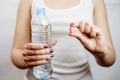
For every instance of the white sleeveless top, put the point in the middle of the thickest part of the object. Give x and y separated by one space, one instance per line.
70 61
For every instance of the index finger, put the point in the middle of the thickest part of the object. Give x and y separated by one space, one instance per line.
35 46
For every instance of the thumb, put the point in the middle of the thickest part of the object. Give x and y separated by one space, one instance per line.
79 35
53 43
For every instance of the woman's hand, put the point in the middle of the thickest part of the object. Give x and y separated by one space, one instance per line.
35 54
90 36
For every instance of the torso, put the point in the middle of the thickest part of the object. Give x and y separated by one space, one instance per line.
70 56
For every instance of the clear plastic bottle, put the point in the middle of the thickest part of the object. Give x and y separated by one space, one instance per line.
41 33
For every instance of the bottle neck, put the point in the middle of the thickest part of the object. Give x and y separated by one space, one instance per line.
40 11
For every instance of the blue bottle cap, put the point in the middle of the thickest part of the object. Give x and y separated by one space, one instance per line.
40 11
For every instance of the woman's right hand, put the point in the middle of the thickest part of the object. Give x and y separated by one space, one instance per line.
35 54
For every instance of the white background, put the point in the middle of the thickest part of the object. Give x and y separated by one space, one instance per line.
8 11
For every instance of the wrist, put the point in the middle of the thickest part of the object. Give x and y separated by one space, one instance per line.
102 53
105 58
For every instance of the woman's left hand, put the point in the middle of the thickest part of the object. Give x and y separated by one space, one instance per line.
90 36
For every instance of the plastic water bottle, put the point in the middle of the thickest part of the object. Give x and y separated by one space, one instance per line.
41 33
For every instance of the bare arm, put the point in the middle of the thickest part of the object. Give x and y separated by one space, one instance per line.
96 37
100 20
24 53
22 32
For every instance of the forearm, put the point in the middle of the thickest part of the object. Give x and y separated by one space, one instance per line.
106 58
17 59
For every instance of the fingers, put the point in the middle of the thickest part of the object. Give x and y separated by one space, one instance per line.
35 46
36 58
36 52
93 32
54 42
86 28
83 26
35 63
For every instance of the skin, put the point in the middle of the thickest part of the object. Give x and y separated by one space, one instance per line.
94 37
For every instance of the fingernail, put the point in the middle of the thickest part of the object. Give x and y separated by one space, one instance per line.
52 55
47 59
45 46
51 50
71 24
